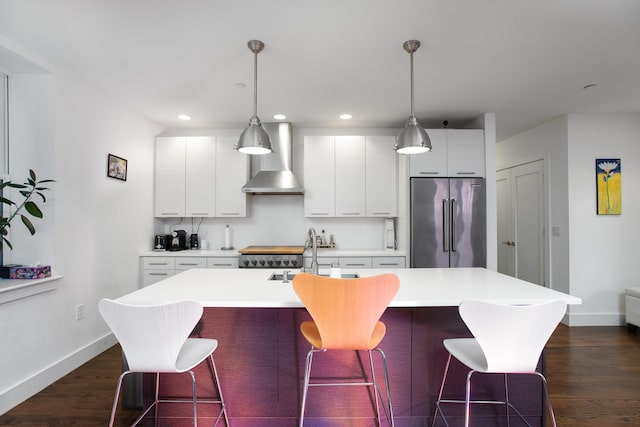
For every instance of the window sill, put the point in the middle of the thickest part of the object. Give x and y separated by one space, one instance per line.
15 289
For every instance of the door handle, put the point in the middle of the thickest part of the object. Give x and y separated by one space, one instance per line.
445 223
509 243
453 225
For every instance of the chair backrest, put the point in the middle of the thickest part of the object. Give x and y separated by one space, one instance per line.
512 337
151 336
346 311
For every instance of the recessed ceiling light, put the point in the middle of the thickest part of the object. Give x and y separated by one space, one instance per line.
346 116
184 117
279 116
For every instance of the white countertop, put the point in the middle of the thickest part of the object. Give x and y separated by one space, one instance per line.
321 253
419 287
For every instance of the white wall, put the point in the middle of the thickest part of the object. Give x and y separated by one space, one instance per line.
93 230
593 258
547 142
604 248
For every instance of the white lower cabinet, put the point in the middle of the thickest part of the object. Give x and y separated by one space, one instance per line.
222 262
358 262
154 269
388 262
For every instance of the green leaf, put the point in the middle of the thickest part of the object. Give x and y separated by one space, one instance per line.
32 174
7 242
6 201
46 180
14 185
44 200
33 209
28 224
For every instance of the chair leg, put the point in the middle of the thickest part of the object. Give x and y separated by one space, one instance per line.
388 387
305 387
216 381
548 397
438 409
467 402
506 398
376 389
115 399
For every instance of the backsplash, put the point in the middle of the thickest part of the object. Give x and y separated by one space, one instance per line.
278 220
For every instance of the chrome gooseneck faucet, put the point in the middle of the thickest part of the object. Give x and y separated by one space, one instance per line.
314 251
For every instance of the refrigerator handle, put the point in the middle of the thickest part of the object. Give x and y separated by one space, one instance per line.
445 222
453 225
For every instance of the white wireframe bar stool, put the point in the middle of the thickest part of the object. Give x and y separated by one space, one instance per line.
507 339
155 339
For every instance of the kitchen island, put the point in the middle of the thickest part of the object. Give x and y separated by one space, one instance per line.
261 353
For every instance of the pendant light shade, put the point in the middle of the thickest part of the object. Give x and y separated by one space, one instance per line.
254 139
413 139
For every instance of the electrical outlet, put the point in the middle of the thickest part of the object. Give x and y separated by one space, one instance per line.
80 311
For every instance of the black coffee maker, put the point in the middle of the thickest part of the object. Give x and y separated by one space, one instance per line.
178 240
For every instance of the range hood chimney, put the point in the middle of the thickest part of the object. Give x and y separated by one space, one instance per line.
274 175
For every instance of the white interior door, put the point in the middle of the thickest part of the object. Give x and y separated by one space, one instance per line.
506 258
521 236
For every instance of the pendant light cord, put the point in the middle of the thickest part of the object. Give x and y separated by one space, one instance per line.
255 84
411 62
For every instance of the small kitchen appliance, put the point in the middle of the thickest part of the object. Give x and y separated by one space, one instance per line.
161 242
389 234
271 257
178 240
193 241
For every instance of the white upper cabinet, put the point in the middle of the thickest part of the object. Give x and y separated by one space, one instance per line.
232 172
455 153
350 170
350 176
199 177
382 177
170 177
319 176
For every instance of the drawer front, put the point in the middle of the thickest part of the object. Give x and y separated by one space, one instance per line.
388 262
355 262
323 262
222 262
185 263
153 276
158 263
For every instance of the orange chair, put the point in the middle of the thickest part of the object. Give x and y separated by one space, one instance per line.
346 316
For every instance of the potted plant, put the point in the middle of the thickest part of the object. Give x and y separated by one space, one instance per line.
33 187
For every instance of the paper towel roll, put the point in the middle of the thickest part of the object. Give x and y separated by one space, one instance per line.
227 237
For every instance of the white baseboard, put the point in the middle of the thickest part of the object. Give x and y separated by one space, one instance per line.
47 376
594 319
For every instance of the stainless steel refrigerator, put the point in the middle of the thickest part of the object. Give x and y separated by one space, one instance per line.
448 222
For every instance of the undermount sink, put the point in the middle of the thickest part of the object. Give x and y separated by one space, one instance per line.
280 276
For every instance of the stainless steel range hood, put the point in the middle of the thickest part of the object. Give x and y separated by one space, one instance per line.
271 173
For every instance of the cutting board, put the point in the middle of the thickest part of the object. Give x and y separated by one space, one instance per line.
275 250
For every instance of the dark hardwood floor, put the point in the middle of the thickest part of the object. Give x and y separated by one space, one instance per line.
593 374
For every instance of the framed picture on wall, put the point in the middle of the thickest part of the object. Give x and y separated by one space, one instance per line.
116 167
609 186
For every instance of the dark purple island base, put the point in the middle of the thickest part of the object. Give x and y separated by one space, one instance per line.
261 356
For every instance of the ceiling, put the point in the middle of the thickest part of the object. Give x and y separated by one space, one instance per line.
525 61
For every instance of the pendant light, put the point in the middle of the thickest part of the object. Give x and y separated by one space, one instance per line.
413 139
254 139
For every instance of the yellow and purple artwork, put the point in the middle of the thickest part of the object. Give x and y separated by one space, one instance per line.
609 186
